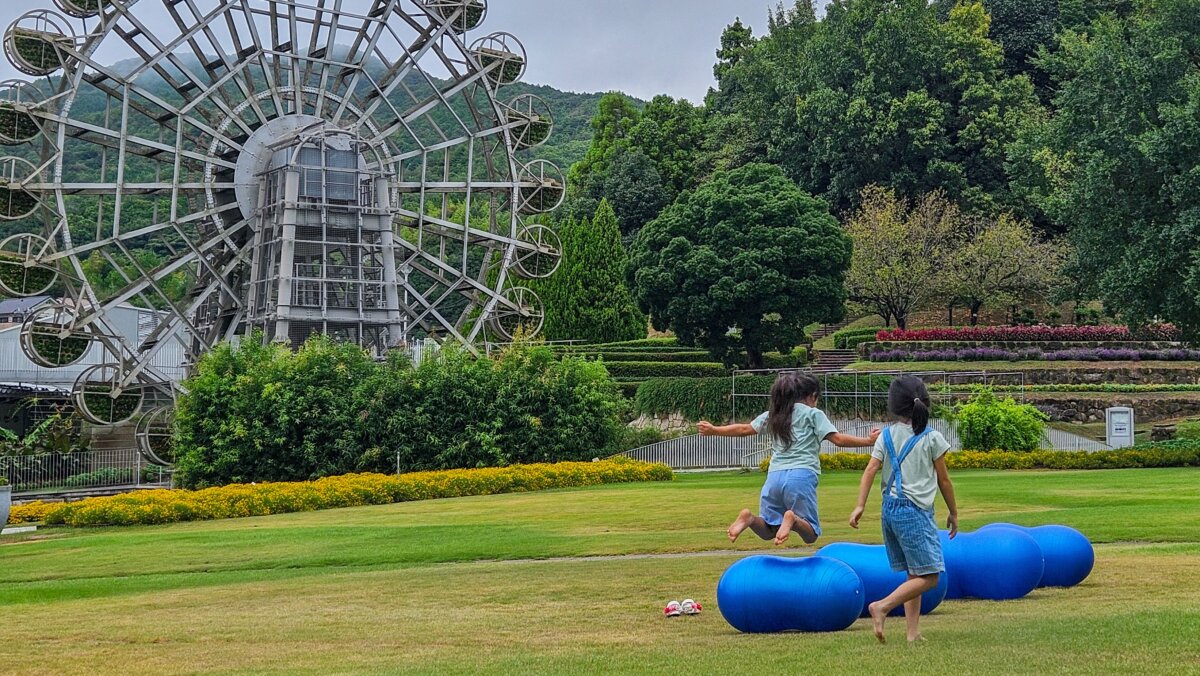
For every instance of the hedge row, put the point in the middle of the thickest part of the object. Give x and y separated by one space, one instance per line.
1134 458
695 356
351 490
711 398
848 339
628 370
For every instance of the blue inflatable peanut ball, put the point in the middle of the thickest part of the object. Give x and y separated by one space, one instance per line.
1068 553
765 594
878 578
996 564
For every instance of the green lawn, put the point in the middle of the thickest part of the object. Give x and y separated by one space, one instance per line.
449 586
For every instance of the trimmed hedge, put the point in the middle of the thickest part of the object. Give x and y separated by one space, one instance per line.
681 357
797 358
629 370
711 398
351 490
848 339
1134 458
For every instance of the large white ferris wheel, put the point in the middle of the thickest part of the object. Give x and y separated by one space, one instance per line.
348 167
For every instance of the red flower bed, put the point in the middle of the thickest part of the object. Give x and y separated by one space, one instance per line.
1159 332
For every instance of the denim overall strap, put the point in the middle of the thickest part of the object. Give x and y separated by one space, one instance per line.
895 484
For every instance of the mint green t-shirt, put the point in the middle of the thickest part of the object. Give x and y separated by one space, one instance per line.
810 426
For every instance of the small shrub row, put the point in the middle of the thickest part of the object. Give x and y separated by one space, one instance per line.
608 356
1134 458
1013 345
797 358
1163 332
848 339
651 369
351 490
1033 354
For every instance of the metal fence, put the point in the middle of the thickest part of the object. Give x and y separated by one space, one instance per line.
714 453
30 475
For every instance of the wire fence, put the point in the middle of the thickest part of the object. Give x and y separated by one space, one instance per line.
713 453
30 475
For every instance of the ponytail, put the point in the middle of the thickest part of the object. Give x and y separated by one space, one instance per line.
920 416
908 398
788 390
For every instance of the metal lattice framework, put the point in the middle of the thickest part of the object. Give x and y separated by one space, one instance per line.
348 167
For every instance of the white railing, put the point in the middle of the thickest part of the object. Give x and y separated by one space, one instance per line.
57 472
712 453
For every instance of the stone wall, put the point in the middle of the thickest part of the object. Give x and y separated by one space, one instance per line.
673 423
1146 408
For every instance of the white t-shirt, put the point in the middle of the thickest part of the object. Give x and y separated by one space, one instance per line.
810 426
917 475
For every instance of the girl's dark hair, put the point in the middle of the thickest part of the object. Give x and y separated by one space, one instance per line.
789 388
908 398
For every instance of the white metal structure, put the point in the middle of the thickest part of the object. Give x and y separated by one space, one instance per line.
349 167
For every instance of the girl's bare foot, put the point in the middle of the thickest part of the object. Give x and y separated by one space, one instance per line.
785 527
878 616
790 523
913 640
741 523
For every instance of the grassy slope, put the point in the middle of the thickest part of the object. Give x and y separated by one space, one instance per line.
391 588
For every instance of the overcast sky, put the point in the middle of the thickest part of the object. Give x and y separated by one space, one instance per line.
642 47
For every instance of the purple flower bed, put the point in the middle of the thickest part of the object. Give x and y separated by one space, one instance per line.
1034 354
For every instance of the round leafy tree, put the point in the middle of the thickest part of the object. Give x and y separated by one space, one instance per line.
744 262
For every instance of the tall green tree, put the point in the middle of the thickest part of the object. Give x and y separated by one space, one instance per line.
671 133
743 263
890 95
587 298
1118 162
632 186
615 118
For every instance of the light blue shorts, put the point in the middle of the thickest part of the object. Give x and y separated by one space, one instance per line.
794 489
911 538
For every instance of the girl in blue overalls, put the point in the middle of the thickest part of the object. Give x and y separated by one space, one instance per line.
914 470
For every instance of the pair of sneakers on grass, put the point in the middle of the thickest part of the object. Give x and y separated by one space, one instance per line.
675 608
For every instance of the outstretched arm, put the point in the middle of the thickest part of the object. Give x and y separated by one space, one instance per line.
864 489
708 429
850 441
947 489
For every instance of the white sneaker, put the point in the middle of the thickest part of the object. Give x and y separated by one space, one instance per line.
689 607
673 609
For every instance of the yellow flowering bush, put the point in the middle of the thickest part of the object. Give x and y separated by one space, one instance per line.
31 513
351 490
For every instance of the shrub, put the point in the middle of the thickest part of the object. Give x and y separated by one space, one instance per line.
848 339
262 413
352 490
610 356
1188 430
1159 332
987 423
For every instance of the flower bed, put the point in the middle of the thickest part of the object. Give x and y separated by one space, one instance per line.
1160 332
351 490
1032 354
